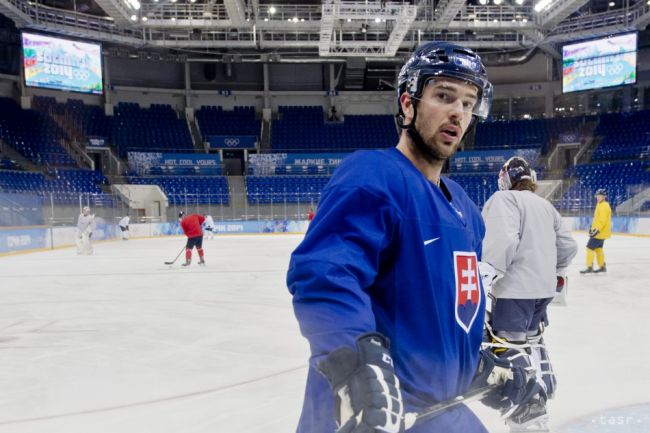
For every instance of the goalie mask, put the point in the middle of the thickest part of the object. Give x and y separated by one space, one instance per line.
515 170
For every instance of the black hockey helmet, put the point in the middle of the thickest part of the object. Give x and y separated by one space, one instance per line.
181 214
443 59
601 191
514 170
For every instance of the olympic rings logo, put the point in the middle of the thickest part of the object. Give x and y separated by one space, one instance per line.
615 68
230 142
81 74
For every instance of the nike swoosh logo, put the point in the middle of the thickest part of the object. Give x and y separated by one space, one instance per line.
429 241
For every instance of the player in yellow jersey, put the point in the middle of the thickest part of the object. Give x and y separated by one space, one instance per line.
601 229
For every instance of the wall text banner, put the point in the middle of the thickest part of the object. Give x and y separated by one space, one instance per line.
142 162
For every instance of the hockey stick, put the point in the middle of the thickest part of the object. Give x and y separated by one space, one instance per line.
174 261
412 418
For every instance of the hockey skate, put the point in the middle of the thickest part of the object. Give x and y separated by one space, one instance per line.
588 270
531 417
202 262
602 269
187 263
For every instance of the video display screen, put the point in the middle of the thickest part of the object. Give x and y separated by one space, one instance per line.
599 63
62 64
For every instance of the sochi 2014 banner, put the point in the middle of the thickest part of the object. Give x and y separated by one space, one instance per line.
142 162
62 64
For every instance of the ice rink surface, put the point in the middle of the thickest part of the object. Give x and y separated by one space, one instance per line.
119 342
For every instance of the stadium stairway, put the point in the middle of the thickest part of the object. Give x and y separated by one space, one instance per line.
196 135
237 192
12 153
72 146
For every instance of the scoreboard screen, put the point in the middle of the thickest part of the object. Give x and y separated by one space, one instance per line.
62 64
599 63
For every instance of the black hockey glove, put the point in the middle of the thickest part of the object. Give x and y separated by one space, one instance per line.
368 398
593 232
510 381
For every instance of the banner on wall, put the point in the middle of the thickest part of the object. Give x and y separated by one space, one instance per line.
143 162
265 163
231 227
490 158
232 141
23 239
97 141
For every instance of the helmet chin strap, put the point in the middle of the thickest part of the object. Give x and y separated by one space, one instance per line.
410 128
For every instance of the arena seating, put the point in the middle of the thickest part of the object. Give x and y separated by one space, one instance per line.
625 136
90 120
155 129
181 190
479 186
63 185
304 129
214 120
34 134
284 189
621 179
8 164
513 134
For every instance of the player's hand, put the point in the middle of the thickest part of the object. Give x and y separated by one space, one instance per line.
593 232
508 379
368 397
488 275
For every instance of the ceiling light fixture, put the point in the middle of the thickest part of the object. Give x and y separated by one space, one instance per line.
542 4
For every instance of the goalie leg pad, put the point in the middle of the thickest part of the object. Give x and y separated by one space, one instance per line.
542 363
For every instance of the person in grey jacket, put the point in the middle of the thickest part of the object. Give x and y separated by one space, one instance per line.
526 247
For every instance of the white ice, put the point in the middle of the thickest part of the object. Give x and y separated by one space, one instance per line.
119 342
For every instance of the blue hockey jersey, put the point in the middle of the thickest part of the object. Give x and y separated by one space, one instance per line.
388 252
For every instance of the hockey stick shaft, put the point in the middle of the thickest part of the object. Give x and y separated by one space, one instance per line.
174 261
412 418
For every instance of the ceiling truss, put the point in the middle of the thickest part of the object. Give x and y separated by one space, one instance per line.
336 29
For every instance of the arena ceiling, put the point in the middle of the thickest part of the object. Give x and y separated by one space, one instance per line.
334 29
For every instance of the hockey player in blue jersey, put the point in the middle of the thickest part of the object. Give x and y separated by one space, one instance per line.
385 284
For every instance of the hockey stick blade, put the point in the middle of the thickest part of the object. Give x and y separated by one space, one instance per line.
412 418
174 261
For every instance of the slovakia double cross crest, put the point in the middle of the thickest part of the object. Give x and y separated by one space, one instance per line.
468 288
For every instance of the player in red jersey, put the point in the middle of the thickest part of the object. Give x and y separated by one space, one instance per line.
191 225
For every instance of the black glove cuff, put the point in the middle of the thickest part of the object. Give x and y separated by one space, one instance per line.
341 363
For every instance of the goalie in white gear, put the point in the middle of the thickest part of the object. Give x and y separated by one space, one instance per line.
123 224
527 245
85 228
208 226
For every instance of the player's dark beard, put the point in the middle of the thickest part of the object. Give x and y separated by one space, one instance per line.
428 151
